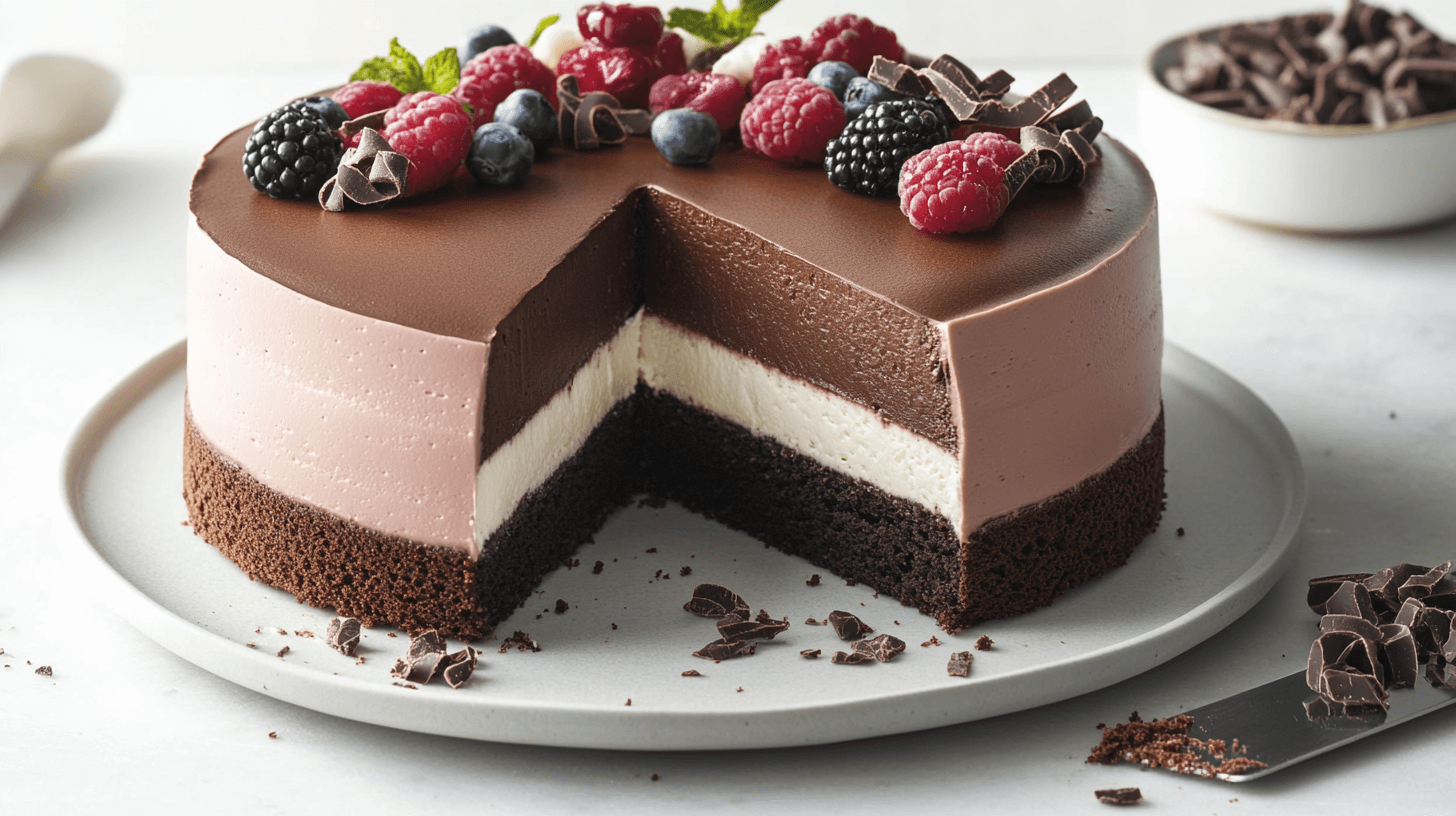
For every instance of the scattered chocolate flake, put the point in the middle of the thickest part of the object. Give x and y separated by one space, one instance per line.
1361 66
629 701
851 582
573 563
522 642
984 643
390 634
692 673
251 645
713 601
283 651
425 658
1119 796
883 648
740 689
343 635
733 627
655 777
45 671
650 550
272 735
1180 535
960 665
685 571
597 568
410 686
810 654
813 580
614 627
303 633
1164 743
847 626
561 606
851 658
457 667
369 174
726 649
812 622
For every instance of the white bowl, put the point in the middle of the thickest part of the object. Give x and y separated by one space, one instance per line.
1319 178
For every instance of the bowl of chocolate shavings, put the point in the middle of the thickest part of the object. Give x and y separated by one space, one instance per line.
1334 123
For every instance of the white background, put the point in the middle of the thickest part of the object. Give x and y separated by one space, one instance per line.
1351 341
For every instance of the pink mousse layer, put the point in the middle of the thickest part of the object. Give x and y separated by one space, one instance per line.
371 421
1053 388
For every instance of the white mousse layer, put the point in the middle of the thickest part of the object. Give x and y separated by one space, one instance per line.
830 430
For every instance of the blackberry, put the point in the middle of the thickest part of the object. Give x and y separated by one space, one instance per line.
291 153
867 156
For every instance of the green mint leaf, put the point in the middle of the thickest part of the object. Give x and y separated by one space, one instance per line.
399 69
718 25
442 72
546 22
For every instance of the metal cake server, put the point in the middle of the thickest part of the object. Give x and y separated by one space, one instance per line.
47 104
1270 720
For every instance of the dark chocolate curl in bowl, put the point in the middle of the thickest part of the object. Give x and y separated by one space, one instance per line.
586 122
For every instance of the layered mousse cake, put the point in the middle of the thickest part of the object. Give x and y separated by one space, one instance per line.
412 414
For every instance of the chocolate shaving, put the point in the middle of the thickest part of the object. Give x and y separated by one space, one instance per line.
734 627
343 635
425 657
851 658
369 174
713 601
883 648
960 664
457 668
847 626
727 649
586 122
1119 796
809 654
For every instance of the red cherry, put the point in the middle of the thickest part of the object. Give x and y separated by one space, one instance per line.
623 25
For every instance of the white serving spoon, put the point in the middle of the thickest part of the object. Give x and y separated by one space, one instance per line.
47 104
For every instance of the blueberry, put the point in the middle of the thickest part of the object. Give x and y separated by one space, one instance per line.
833 75
684 136
862 93
332 112
483 39
499 155
529 112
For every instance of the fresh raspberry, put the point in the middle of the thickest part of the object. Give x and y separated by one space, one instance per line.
620 71
855 40
791 120
718 95
623 25
786 59
669 57
958 186
366 96
489 78
434 133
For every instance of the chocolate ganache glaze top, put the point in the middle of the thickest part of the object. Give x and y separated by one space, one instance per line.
458 261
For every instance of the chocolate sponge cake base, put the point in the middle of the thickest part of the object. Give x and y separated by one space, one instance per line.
1013 564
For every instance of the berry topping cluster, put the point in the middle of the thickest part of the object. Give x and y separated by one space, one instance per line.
837 96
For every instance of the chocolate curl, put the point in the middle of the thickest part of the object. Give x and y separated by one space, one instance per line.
596 119
368 174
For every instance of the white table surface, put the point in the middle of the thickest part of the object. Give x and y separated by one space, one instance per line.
1351 341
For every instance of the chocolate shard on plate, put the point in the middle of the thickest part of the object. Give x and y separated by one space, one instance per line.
810 654
1420 586
1441 675
1385 585
851 658
734 627
1432 630
1325 652
1409 612
425 643
1119 796
726 649
847 626
458 667
343 635
1353 688
1352 624
960 664
883 648
713 601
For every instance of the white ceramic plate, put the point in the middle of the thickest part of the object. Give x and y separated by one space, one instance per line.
1235 485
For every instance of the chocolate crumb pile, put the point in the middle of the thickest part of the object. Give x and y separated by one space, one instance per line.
522 642
738 635
1164 743
1362 66
1377 630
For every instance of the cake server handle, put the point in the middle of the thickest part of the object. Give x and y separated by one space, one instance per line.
17 171
1271 722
